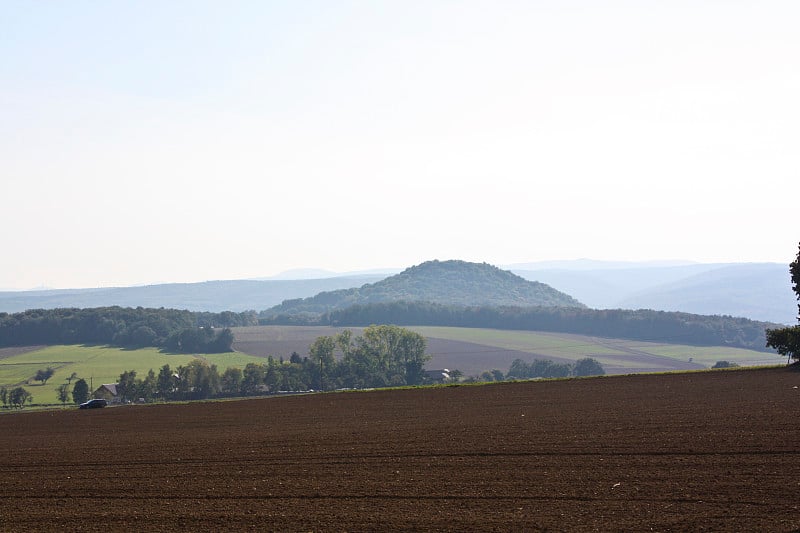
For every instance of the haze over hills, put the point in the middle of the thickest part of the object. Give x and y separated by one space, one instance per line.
443 282
216 296
759 291
756 290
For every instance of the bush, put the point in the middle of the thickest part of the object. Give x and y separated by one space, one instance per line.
588 367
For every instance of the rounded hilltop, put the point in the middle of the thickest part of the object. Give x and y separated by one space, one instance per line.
451 282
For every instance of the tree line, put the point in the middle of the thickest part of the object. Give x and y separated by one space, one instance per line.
171 329
382 356
542 368
642 324
16 397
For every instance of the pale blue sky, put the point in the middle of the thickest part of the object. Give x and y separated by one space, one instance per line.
146 142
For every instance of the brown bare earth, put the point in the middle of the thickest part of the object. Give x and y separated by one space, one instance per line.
17 350
714 451
473 358
281 341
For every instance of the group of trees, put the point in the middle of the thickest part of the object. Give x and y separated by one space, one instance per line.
787 340
382 356
544 368
16 397
176 330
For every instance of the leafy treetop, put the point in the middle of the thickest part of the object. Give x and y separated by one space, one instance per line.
787 340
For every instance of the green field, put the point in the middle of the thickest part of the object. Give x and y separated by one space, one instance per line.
97 365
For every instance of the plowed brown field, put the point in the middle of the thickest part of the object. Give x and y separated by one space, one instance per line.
703 451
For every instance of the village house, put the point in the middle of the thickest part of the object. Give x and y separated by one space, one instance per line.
107 391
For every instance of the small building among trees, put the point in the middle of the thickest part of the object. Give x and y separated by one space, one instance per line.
107 391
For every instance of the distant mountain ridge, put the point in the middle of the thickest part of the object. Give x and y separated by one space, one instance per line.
752 290
215 296
450 282
759 291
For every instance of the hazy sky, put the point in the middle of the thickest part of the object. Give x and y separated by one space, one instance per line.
156 141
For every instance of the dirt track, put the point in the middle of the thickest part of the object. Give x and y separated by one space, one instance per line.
705 451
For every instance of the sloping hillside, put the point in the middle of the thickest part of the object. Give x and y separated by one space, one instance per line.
443 282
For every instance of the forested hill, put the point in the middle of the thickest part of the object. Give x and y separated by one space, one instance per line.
443 282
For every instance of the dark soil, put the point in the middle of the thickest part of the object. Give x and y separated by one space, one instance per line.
714 451
281 341
5 353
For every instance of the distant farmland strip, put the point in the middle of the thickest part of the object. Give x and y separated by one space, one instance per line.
475 350
470 350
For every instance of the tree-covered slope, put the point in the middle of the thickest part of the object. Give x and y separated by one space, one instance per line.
442 282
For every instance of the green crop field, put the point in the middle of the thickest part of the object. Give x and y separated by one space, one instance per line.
97 365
